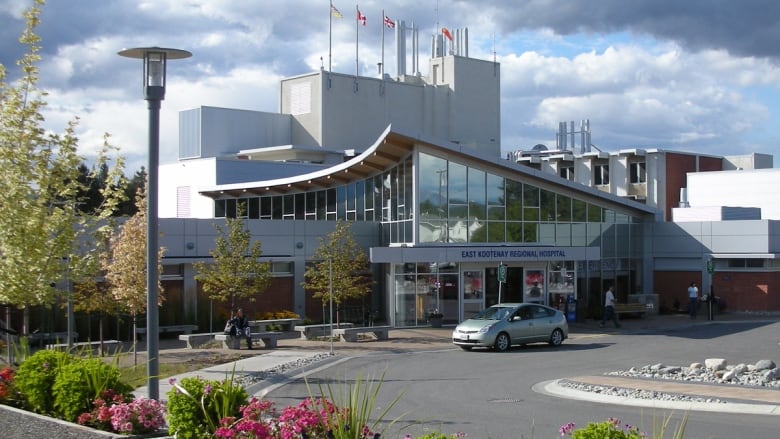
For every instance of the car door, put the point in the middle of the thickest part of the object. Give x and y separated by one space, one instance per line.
541 323
519 325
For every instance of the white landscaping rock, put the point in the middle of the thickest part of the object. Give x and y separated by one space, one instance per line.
715 363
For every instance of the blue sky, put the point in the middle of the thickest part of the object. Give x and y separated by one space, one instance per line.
699 75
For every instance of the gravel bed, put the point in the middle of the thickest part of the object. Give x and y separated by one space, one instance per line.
763 374
248 379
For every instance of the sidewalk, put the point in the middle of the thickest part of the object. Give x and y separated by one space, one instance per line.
270 368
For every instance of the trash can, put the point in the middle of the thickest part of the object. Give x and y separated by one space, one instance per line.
571 308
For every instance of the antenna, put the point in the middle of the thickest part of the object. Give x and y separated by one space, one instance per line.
437 16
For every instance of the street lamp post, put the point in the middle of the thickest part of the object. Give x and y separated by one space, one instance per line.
155 60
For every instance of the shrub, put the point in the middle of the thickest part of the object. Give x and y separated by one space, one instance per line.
9 395
612 429
35 378
79 383
283 314
197 406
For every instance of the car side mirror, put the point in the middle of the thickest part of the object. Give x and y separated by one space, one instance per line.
516 318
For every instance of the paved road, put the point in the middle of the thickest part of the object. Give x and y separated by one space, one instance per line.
490 395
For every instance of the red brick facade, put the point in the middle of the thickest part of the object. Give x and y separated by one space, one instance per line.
741 290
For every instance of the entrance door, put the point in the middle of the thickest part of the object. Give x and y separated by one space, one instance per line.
473 293
511 290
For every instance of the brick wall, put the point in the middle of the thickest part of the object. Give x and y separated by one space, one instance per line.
672 286
748 291
742 291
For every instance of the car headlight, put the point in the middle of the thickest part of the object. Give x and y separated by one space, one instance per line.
485 329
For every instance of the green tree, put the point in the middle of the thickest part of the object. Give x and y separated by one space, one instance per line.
236 271
44 238
341 267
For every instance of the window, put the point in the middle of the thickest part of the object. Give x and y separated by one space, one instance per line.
601 174
567 172
638 172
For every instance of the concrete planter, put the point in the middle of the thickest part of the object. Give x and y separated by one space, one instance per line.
21 424
436 321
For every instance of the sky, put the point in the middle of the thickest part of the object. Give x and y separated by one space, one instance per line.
694 75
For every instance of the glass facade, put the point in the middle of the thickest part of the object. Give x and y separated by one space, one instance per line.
458 204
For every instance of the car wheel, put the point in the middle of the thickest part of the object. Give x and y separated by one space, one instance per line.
466 348
556 338
502 342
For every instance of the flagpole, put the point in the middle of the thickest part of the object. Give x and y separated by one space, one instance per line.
382 65
330 38
357 39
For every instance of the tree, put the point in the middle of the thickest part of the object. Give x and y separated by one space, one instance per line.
44 238
236 271
125 263
341 267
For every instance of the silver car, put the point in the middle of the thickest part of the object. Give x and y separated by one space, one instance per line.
504 325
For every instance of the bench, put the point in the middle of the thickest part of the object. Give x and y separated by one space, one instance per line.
633 308
195 340
269 339
109 346
285 324
309 332
187 329
351 334
42 337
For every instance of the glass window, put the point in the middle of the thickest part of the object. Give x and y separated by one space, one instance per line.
288 209
277 207
547 206
530 196
601 175
230 208
567 172
311 205
322 203
531 214
242 207
254 208
360 196
219 208
495 197
266 210
563 208
495 230
594 214
637 171
514 200
476 194
300 206
530 232
514 232
341 202
579 211
456 184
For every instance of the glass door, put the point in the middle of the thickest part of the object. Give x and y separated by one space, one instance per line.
473 293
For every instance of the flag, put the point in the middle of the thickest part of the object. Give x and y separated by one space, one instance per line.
446 33
389 23
335 12
361 18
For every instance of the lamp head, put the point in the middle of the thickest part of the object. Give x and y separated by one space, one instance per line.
155 61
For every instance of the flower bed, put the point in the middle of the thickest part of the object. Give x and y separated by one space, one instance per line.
21 424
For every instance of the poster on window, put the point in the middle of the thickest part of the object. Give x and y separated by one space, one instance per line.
534 285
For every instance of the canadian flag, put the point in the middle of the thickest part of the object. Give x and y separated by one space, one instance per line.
361 18
446 33
389 23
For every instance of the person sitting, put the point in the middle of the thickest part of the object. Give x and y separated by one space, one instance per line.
241 323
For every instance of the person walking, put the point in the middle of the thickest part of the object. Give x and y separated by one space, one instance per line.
241 324
609 308
693 298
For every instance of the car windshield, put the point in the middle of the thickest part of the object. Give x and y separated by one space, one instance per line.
493 313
